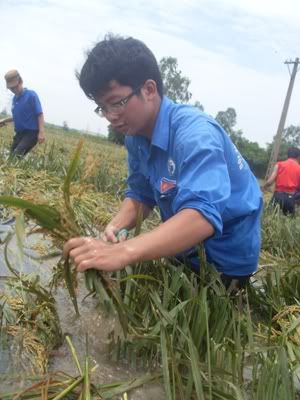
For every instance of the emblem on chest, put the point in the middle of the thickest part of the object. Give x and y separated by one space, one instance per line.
171 167
167 184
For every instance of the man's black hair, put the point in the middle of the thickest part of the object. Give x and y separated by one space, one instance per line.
125 60
293 152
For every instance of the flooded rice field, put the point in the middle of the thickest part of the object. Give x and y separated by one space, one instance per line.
93 322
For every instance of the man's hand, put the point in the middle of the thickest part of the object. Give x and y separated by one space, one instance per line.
114 235
110 234
88 252
41 137
264 187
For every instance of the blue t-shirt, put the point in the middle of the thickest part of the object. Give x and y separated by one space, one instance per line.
192 163
25 109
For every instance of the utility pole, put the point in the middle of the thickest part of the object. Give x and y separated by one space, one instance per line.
277 140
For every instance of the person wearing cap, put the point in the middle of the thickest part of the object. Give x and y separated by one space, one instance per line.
180 160
27 115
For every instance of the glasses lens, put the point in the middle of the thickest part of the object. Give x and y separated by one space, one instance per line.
99 111
116 108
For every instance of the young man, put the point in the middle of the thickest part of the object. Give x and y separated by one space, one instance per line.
27 115
286 176
180 160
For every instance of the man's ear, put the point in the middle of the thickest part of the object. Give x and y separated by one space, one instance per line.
150 89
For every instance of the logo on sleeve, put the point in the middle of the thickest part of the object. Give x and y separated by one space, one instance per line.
167 184
240 159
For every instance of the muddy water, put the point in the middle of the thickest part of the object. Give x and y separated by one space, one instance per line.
92 321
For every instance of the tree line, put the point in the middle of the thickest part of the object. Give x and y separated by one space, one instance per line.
176 87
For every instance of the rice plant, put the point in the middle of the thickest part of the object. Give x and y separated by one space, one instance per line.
60 222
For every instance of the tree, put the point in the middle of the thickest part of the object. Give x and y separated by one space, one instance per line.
256 156
227 119
175 85
65 126
115 136
290 138
199 105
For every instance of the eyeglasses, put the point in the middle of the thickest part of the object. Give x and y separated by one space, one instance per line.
117 107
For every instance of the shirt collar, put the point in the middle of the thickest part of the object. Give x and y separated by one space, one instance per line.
22 93
160 137
293 160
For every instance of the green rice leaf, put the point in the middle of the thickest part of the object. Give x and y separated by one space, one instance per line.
46 216
70 283
165 364
195 366
69 176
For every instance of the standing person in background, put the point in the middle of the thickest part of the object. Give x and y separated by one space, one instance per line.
286 176
27 115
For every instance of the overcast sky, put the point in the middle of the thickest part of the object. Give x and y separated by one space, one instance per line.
233 51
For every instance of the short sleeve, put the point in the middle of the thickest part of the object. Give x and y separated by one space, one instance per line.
36 104
203 180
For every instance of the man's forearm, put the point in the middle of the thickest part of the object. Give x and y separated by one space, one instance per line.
128 214
181 232
271 178
41 122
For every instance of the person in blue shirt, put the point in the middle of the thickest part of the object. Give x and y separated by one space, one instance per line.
180 160
27 115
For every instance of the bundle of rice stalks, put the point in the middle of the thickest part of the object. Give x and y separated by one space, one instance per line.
274 290
283 333
29 321
288 326
32 353
61 223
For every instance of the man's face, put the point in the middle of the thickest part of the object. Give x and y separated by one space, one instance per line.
127 109
17 89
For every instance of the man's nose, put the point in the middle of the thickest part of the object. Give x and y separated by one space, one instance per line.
111 116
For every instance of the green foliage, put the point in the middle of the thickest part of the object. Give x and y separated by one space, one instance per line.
199 105
175 85
256 156
115 136
65 126
227 119
290 138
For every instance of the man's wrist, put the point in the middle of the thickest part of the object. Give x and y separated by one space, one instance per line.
129 252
